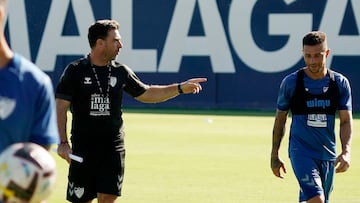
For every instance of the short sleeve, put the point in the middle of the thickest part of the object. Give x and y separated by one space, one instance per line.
345 93
286 91
65 87
44 131
133 84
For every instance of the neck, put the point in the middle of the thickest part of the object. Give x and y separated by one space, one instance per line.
98 60
5 52
316 76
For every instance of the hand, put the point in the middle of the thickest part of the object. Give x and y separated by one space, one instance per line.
342 162
64 150
192 85
276 165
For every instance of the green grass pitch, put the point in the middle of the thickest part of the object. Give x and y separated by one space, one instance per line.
209 157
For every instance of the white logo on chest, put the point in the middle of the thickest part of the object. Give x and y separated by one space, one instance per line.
7 106
99 105
113 81
87 81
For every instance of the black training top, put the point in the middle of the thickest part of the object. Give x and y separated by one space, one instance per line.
96 95
303 103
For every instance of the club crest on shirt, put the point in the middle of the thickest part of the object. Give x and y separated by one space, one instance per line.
325 89
7 106
113 81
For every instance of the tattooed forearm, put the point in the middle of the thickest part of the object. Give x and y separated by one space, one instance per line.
278 131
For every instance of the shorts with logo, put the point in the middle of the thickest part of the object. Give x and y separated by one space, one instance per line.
315 177
101 171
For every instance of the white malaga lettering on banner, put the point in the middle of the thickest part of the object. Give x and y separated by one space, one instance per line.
53 43
214 43
340 45
292 25
122 11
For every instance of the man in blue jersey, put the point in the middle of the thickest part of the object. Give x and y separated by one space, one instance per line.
314 94
27 103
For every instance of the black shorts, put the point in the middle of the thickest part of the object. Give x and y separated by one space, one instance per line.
102 171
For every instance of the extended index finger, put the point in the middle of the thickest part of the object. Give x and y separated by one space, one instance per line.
197 80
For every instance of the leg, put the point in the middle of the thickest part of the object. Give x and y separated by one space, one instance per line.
307 172
81 184
327 176
317 199
106 198
110 178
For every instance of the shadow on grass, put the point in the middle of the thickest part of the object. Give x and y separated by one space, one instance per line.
223 112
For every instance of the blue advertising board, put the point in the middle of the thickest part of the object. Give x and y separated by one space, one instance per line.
243 47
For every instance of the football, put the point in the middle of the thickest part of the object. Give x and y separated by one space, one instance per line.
27 173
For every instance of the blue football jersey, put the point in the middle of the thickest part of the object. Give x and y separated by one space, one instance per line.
313 134
27 105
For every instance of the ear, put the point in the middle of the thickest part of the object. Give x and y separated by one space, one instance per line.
99 42
327 53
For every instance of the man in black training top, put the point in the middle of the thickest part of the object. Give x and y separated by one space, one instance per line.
93 88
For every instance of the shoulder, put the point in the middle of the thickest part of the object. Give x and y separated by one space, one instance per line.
288 85
75 67
30 72
31 79
292 76
118 65
286 90
78 64
290 79
345 91
341 80
121 67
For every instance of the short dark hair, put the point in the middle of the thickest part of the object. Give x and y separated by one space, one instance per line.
100 29
314 38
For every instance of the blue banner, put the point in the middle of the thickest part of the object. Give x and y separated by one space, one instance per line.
244 47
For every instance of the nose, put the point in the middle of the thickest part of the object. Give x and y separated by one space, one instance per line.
120 45
312 60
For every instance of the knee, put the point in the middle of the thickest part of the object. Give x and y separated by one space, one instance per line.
106 198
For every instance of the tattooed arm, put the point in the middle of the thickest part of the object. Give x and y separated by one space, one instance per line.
278 134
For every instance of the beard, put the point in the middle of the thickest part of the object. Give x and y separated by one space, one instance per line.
316 68
111 57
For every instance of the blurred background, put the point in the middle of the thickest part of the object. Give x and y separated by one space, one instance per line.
243 47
